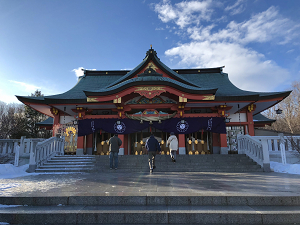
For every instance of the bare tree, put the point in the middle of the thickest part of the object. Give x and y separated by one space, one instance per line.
12 121
289 120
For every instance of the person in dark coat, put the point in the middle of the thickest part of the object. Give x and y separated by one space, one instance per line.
114 145
152 147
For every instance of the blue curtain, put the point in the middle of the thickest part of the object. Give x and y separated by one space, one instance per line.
176 125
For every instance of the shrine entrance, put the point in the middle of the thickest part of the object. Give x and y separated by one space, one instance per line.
199 143
138 141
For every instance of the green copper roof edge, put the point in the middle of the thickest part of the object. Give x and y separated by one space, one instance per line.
131 83
147 79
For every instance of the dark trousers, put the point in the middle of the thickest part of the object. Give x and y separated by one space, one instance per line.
151 159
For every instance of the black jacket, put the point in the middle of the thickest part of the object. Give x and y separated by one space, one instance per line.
114 144
152 144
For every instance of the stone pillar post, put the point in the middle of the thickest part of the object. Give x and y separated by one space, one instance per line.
32 162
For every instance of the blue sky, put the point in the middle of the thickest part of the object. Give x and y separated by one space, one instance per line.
43 44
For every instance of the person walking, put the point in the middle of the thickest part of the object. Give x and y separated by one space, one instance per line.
152 147
114 145
172 142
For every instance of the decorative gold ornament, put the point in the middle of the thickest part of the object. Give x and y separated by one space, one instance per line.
210 97
70 130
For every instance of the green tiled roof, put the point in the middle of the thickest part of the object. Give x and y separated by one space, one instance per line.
208 80
47 122
259 118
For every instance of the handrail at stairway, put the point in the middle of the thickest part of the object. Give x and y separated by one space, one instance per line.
40 152
255 149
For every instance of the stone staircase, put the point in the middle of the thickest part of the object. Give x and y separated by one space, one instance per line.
149 209
68 163
184 163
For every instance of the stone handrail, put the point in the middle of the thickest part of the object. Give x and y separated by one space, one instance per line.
7 146
41 151
274 142
21 147
257 150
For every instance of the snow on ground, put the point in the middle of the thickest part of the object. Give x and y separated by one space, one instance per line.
287 168
10 171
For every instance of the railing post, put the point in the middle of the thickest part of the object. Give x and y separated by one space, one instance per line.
32 162
266 158
240 146
22 145
17 153
282 149
62 145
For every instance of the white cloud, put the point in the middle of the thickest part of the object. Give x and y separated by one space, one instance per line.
30 88
262 27
245 67
184 13
237 7
212 46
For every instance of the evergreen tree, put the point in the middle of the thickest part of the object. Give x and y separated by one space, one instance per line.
34 117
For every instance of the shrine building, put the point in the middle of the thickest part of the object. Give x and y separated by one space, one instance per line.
201 106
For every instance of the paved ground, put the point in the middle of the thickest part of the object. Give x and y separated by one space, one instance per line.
118 183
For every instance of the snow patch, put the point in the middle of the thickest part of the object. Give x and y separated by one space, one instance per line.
287 168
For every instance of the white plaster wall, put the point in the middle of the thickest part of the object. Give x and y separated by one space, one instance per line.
235 117
66 119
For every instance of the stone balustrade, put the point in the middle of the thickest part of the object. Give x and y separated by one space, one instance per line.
257 150
41 151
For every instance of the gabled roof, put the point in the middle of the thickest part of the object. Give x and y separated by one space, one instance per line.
198 81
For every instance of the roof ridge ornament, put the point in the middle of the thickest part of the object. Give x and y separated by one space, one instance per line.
151 52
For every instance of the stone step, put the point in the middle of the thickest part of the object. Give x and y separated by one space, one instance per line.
155 200
70 163
95 214
59 170
65 166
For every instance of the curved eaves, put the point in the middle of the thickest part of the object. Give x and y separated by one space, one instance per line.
150 81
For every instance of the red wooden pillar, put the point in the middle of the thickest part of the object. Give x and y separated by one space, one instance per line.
126 144
121 150
55 122
250 123
223 144
89 144
181 144
80 145
216 143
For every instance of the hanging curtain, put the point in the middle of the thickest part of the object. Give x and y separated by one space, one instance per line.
176 125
